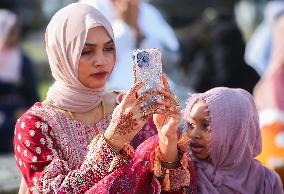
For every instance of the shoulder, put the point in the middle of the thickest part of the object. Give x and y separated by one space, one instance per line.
31 120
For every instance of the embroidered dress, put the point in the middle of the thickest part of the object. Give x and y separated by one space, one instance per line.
57 154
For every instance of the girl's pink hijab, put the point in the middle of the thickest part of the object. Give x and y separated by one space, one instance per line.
235 141
65 37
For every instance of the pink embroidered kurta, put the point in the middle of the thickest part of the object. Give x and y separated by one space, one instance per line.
57 154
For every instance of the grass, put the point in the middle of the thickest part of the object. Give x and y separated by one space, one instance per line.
43 88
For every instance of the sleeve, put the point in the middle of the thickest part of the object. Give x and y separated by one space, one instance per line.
138 176
175 179
147 131
45 170
178 179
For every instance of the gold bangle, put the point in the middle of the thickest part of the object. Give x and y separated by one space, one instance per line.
127 151
170 165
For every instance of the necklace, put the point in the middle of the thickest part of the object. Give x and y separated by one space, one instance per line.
89 135
102 104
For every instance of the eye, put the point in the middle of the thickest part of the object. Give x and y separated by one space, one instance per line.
109 49
87 52
206 127
190 125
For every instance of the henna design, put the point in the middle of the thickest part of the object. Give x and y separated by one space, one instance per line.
152 109
144 97
125 124
135 88
166 112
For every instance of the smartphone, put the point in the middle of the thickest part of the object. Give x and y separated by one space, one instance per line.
147 68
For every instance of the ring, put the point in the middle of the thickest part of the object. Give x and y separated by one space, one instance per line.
148 103
177 104
143 106
144 113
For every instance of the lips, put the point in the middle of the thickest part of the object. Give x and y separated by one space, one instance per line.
196 148
100 74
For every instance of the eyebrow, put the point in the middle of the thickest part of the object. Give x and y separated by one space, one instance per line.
203 119
106 43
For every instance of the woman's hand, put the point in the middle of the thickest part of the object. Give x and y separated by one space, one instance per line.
128 11
130 116
167 123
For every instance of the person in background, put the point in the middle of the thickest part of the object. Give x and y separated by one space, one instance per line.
81 138
18 83
258 48
225 138
215 50
137 24
268 95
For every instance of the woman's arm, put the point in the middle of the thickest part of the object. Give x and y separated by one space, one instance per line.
44 168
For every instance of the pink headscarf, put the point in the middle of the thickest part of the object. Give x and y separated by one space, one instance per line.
65 37
235 141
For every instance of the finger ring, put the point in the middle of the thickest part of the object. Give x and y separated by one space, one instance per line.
177 104
143 106
144 113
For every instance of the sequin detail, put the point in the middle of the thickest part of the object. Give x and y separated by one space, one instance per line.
58 152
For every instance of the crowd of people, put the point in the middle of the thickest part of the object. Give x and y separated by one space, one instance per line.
93 133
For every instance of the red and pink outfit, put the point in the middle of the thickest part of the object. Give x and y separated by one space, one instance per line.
56 155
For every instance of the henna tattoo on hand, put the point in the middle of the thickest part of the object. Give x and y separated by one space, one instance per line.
125 123
135 88
143 98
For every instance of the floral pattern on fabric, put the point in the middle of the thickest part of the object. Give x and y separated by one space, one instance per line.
137 177
51 150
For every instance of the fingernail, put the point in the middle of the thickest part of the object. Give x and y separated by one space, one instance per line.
159 101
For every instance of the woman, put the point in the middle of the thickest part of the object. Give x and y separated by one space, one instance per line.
18 84
269 100
71 143
224 140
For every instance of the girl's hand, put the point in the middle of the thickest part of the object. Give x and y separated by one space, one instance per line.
167 123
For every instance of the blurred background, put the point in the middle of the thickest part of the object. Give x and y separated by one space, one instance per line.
215 49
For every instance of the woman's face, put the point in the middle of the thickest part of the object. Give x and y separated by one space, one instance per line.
97 58
199 130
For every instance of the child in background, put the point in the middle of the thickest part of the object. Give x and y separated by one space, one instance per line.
224 140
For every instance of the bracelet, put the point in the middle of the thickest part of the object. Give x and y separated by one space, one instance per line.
127 151
171 165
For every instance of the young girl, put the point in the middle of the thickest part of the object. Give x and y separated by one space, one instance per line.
224 140
78 138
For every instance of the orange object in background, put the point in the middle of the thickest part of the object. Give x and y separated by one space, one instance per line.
272 154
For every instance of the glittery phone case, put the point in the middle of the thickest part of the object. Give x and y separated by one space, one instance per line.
147 68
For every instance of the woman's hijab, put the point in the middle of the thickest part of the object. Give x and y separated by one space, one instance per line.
65 37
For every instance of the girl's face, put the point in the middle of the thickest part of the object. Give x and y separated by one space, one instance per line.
97 58
199 130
